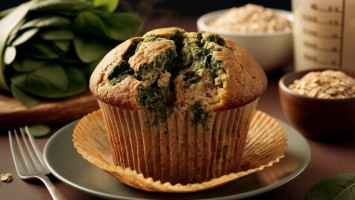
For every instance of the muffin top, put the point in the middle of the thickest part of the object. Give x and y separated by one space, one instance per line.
172 68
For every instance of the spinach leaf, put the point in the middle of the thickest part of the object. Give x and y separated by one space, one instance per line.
59 6
339 187
77 82
39 130
88 49
109 5
44 42
27 64
62 45
117 26
9 55
47 81
41 50
88 22
7 24
122 25
57 34
23 97
46 21
3 13
24 36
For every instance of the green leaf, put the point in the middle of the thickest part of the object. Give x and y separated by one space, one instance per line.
27 64
45 55
57 34
47 81
52 81
63 46
77 82
121 26
41 50
46 21
59 6
109 5
24 37
23 97
117 26
7 24
9 55
14 32
90 49
39 130
339 187
3 13
88 22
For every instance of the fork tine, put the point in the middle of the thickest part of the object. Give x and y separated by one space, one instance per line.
36 148
24 154
36 157
35 162
15 154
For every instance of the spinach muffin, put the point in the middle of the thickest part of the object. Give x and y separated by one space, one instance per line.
177 105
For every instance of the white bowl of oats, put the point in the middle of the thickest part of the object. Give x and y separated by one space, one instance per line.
266 33
320 103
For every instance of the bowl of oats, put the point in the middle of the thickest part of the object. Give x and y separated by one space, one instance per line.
266 33
320 103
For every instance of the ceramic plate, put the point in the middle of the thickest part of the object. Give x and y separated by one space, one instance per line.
68 166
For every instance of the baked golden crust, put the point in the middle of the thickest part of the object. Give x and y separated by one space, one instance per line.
125 93
172 53
246 80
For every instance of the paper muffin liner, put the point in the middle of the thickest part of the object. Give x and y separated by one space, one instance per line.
265 145
166 145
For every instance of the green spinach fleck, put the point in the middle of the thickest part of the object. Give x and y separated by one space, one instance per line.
213 66
200 116
131 50
120 72
190 78
213 38
153 98
190 54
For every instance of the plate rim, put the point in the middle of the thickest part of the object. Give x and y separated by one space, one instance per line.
70 126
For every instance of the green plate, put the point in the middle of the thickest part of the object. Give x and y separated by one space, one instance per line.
68 166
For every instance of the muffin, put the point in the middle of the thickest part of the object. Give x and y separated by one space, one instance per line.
177 105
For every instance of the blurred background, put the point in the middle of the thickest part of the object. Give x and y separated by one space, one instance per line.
176 7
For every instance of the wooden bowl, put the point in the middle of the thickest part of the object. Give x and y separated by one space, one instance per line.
314 117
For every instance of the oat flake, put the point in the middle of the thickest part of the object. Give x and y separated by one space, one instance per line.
252 18
6 177
328 84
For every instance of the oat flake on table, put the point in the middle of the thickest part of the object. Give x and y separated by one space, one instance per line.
6 177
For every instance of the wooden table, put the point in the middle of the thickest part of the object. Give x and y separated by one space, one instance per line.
327 159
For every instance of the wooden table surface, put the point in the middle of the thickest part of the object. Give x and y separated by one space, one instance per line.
327 158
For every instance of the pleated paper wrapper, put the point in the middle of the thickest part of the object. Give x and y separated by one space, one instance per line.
175 157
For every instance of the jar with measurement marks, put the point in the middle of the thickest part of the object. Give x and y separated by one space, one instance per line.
324 33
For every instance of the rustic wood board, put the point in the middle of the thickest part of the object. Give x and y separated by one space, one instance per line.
13 114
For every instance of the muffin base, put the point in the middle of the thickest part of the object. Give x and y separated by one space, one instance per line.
265 145
178 145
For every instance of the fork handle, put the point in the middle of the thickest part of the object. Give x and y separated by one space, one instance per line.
55 193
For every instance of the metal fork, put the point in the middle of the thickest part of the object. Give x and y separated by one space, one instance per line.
30 164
